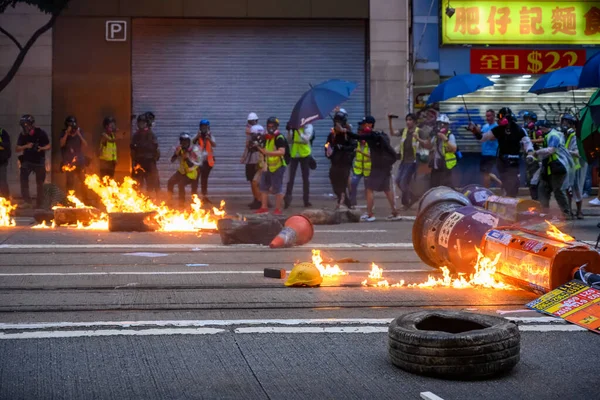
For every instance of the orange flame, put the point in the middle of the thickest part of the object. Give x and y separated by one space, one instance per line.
138 168
68 168
43 225
6 209
555 233
326 270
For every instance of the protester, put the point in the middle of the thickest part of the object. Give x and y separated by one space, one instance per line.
410 143
144 155
5 154
536 137
442 156
108 148
33 142
361 166
511 137
301 154
250 158
489 149
557 172
383 158
339 149
206 143
72 144
272 176
187 174
568 124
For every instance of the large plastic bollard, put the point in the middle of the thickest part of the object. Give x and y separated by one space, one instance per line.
476 194
442 194
298 230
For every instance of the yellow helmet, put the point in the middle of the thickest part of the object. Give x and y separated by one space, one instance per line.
304 274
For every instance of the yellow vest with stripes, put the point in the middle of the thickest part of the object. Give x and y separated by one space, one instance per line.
185 169
449 157
273 162
575 159
299 148
362 162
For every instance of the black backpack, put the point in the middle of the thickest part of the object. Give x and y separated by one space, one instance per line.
288 154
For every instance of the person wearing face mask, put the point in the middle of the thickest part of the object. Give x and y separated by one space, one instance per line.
511 138
145 154
410 143
568 124
271 180
339 149
72 144
190 159
108 148
558 168
206 143
442 157
362 164
250 158
33 142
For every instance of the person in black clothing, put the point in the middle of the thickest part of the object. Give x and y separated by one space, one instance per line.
33 142
5 153
511 138
144 155
339 148
73 159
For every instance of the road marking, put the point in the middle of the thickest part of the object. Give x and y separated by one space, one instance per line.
430 396
352 271
551 328
108 332
197 247
313 329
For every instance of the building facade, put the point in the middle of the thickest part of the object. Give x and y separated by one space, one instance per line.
187 60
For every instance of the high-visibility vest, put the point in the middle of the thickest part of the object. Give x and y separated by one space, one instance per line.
554 156
362 161
415 142
108 150
449 157
209 152
273 162
185 169
299 148
575 159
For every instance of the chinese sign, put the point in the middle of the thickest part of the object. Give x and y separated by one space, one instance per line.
574 302
517 22
490 61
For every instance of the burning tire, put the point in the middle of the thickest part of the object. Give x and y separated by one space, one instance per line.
454 345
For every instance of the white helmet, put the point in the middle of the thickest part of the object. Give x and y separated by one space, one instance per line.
252 117
443 118
257 129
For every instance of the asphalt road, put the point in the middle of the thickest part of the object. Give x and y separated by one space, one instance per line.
98 315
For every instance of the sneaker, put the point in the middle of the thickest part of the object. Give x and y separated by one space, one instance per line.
394 217
364 217
277 212
262 211
370 218
595 202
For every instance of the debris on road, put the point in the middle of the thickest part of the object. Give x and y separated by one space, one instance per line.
304 274
298 230
248 231
275 273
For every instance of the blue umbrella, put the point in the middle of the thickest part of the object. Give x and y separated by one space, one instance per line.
320 100
590 74
459 85
561 80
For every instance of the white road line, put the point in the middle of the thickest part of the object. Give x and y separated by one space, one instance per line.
529 320
108 332
365 271
551 328
430 396
196 247
314 329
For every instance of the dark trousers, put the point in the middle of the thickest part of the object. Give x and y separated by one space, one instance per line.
4 190
509 175
441 177
553 184
147 177
107 168
182 181
338 176
204 172
40 177
406 174
305 178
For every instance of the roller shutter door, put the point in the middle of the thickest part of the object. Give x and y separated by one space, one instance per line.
185 70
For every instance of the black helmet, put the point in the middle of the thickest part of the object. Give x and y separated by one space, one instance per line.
150 117
27 119
533 116
569 118
543 124
108 120
71 121
142 118
505 112
340 117
273 120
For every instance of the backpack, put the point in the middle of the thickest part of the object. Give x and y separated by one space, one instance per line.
288 154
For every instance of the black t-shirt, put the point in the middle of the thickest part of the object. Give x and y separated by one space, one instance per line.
280 142
144 146
5 151
72 148
509 144
39 139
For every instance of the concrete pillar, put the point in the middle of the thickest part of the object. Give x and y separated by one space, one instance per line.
389 41
30 92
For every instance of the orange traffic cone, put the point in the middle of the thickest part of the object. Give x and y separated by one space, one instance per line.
298 230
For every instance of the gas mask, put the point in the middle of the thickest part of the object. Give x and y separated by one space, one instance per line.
204 130
185 144
530 125
271 129
142 125
27 128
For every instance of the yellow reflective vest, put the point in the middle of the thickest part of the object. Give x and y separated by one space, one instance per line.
415 142
273 162
299 148
572 136
362 161
449 157
108 150
185 169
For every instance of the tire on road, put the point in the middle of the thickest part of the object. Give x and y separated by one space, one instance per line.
454 345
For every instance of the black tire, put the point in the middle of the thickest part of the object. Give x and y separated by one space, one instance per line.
454 345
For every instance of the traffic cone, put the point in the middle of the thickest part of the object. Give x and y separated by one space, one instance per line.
298 230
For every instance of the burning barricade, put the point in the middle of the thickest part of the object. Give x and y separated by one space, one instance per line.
6 211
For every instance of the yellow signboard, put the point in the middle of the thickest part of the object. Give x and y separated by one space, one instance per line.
521 22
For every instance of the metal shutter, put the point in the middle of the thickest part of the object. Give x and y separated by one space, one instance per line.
184 70
508 91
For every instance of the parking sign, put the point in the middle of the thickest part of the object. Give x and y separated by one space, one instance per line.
116 31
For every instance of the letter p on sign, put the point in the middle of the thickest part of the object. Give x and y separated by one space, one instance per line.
116 31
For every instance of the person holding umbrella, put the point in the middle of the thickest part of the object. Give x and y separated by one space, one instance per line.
301 154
